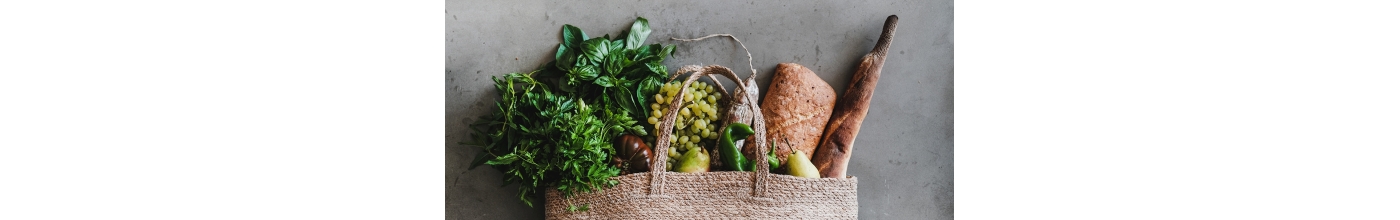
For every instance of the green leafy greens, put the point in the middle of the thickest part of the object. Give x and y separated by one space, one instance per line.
552 126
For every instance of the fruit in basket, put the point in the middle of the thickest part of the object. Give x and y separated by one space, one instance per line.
633 154
696 119
695 161
798 165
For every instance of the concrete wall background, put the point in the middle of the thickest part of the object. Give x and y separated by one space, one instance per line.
903 155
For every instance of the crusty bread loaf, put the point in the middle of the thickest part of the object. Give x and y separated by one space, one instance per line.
796 108
834 151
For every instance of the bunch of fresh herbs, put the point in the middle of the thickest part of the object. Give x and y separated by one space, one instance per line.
552 126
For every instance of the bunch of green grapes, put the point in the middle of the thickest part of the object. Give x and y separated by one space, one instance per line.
696 122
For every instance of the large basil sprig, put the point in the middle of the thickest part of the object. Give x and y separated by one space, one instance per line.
552 126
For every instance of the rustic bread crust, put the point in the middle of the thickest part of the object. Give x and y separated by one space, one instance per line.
796 109
834 151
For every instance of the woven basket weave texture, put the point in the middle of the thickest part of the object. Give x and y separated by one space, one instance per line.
712 195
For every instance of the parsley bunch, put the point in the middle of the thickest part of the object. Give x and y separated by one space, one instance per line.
552 126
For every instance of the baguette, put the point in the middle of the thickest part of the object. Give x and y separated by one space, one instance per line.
796 108
837 141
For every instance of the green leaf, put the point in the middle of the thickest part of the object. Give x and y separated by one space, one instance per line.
667 51
657 68
573 36
616 62
604 81
595 49
560 53
647 59
524 198
623 99
503 159
646 88
638 34
646 51
584 73
551 129
481 158
616 47
567 60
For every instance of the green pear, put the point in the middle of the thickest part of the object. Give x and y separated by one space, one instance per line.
696 161
798 165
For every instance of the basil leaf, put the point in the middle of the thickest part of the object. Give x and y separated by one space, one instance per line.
636 71
604 81
645 51
560 53
647 59
615 63
646 88
638 34
595 49
552 128
616 47
625 99
657 68
666 51
567 60
573 36
585 73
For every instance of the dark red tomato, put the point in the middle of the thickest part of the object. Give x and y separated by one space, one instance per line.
633 154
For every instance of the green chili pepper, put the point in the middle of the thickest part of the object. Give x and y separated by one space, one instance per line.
729 154
772 156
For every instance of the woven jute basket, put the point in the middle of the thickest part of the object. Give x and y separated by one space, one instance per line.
662 194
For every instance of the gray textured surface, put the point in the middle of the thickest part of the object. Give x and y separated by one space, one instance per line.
903 156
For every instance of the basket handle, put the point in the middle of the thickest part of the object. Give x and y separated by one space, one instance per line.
745 97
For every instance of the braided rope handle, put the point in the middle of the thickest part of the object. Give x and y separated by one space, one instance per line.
743 108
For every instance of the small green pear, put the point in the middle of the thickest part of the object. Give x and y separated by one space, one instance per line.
697 161
798 165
